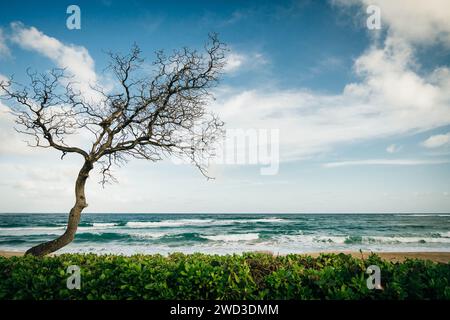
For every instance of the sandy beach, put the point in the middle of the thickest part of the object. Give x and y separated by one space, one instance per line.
442 257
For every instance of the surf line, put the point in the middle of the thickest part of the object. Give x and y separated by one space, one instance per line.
181 310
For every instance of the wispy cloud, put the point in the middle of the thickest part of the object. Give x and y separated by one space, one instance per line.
237 61
384 162
417 21
391 97
4 50
437 141
393 148
76 59
326 64
236 16
233 62
11 142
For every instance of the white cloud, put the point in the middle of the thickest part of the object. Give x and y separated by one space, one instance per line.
3 78
415 21
76 59
392 97
393 148
325 64
10 143
239 61
4 50
390 100
8 136
395 162
15 143
437 141
233 62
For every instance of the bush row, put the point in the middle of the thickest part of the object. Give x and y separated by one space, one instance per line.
200 276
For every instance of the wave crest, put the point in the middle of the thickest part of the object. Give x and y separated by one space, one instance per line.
233 237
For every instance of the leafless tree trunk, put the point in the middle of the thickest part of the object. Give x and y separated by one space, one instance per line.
74 217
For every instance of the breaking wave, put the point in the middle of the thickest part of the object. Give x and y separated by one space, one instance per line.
233 237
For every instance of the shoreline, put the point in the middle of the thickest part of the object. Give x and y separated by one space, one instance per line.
442 257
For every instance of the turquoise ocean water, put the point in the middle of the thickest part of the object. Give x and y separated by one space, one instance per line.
231 233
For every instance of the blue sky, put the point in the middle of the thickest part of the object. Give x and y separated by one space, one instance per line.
363 115
287 34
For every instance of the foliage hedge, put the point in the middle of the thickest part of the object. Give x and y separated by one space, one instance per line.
200 276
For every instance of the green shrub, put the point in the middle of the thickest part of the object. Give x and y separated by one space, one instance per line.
199 276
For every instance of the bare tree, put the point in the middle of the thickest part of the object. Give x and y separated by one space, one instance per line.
144 116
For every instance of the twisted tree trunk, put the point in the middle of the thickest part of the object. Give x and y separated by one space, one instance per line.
74 217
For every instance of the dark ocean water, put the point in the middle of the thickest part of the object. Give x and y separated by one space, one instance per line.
231 233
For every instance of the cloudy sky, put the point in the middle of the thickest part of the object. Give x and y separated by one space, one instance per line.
363 115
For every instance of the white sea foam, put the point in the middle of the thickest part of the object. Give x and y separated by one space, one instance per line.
167 223
233 237
308 239
264 220
199 222
405 240
148 235
98 226
243 221
104 224
445 234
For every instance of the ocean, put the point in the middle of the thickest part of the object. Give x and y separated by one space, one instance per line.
231 233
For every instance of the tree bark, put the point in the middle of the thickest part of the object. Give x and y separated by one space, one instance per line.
74 217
